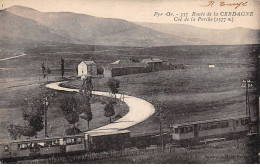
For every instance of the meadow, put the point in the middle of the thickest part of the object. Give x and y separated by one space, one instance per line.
195 93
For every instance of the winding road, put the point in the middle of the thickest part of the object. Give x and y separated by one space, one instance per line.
139 110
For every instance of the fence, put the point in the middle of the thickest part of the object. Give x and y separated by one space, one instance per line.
96 156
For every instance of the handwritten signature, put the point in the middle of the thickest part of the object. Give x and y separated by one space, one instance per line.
222 4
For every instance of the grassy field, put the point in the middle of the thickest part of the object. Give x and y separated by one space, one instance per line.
195 93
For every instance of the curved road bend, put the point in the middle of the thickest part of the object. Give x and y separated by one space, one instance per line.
139 110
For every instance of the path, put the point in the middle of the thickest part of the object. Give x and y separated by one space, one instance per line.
12 57
139 110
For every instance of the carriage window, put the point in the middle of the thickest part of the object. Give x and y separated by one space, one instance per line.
47 143
224 124
79 140
6 148
181 130
214 125
244 121
219 125
41 144
176 130
55 142
22 146
203 127
71 141
186 129
237 123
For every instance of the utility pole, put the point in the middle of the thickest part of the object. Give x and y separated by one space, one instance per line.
159 108
45 108
247 83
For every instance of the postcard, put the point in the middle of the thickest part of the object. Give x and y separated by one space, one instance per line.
129 81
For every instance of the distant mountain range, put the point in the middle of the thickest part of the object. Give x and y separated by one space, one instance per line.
24 24
232 36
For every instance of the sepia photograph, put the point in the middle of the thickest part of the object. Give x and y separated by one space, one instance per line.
129 81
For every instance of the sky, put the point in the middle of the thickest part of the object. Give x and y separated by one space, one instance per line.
144 10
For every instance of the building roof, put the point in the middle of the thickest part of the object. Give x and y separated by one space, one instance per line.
88 62
152 60
125 64
104 133
207 121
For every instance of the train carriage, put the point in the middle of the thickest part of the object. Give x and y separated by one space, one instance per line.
74 143
202 129
93 141
103 141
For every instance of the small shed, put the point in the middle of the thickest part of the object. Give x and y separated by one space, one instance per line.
87 68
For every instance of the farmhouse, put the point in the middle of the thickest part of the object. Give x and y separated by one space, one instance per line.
87 68
125 67
154 63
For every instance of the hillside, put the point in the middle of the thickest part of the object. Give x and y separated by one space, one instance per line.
16 28
212 36
76 28
87 29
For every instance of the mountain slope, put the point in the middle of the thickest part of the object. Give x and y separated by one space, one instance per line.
13 28
217 36
101 31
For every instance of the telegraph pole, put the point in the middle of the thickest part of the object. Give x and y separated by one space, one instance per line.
45 108
247 83
159 108
161 129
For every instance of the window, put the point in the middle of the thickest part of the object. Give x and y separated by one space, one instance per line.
6 147
22 146
181 130
47 143
237 123
244 121
224 124
203 127
55 142
79 141
176 130
186 129
71 141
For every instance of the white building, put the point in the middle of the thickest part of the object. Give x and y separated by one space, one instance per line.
87 68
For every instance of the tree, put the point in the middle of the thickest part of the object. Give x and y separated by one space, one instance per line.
32 112
87 115
84 107
62 67
15 131
113 84
43 69
37 123
48 72
87 86
109 110
71 112
29 131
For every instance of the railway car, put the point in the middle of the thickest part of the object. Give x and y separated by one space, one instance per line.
93 141
195 131
103 141
30 148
